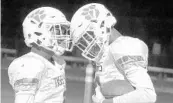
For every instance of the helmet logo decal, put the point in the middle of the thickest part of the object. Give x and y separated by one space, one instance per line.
90 13
38 15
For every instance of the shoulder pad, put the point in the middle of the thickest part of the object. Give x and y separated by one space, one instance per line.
26 66
129 46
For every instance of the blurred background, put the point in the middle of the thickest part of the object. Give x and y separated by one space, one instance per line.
151 21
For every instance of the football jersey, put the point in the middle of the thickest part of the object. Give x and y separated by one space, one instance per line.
124 59
32 73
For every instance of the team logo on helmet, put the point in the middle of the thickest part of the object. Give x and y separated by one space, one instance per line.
90 12
38 16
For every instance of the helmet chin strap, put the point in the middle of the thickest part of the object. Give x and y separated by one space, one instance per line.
97 59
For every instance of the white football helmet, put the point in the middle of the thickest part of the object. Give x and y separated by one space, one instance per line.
47 27
90 29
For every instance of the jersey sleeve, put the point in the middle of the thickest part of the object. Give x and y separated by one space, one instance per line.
25 74
131 58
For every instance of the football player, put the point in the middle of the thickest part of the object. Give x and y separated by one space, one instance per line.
39 76
121 61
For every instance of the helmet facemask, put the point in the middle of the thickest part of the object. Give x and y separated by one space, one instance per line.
92 42
60 39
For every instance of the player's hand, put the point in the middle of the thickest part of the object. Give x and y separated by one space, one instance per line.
115 88
96 100
108 100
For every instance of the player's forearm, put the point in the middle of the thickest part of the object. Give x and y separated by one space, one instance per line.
24 98
137 96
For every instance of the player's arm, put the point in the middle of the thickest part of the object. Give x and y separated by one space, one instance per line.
144 91
133 65
141 94
25 91
24 76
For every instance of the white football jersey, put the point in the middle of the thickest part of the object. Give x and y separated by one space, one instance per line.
32 73
124 59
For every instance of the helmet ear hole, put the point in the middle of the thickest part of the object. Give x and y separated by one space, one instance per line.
38 41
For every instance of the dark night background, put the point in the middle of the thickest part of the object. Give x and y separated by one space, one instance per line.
149 20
